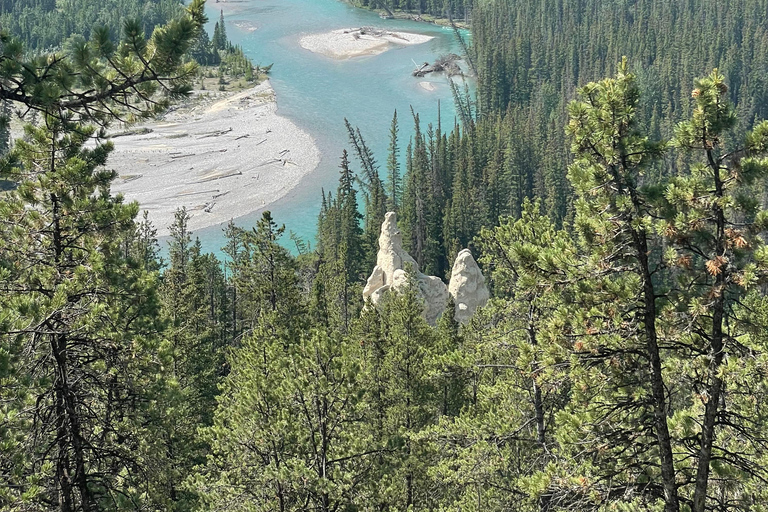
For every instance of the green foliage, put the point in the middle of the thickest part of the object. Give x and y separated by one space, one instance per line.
286 434
523 49
439 8
340 254
374 194
98 80
79 336
404 400
621 364
264 277
85 389
394 179
44 25
529 59
423 209
653 322
219 51
195 308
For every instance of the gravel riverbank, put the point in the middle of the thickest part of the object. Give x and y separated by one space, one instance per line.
221 159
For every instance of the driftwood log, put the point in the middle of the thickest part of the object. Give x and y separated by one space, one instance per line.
448 64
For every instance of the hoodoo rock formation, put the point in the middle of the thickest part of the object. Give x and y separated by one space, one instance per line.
468 284
389 272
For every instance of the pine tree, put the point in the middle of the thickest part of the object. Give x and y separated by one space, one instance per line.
350 236
79 326
711 229
286 429
394 184
654 298
97 80
505 429
611 155
234 252
79 320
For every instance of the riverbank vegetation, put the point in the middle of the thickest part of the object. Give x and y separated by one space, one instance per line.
617 207
425 10
45 25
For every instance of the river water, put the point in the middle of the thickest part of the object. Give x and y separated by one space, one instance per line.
318 92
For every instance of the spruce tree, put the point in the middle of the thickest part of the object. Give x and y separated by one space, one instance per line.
80 329
406 403
223 41
196 311
394 184
374 194
216 40
340 254
265 277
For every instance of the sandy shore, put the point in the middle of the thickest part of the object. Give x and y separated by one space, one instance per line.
428 86
222 159
356 42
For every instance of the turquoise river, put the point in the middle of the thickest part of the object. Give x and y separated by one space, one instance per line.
318 92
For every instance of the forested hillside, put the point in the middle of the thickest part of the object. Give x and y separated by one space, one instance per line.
530 58
459 9
620 220
44 24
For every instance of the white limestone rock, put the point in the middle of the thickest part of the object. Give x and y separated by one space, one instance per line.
389 261
378 294
399 279
389 273
467 286
375 281
391 255
435 295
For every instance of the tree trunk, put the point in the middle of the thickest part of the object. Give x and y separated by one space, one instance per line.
69 436
716 354
671 500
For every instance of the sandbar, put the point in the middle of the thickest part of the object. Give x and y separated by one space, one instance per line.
347 43
228 156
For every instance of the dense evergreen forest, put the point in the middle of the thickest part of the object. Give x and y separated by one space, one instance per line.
530 58
46 24
458 9
43 25
621 221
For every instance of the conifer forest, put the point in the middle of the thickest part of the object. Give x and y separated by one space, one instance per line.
607 170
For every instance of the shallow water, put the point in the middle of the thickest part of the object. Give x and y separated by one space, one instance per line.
317 92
